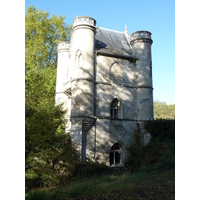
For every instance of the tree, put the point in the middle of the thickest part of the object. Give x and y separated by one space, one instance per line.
42 35
164 111
46 142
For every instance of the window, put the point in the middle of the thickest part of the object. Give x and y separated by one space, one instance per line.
124 42
115 154
114 109
116 74
78 59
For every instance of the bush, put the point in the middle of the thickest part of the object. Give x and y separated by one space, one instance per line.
32 180
162 128
136 153
159 153
39 195
89 168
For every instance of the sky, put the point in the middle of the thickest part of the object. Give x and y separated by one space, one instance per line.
155 16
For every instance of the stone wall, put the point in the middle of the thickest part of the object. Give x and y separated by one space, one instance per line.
87 83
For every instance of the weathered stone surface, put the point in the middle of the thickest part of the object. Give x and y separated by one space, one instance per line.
92 72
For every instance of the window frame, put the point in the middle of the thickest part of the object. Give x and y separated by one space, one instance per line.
114 153
114 109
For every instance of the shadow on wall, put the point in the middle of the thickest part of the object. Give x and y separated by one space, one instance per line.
104 142
100 141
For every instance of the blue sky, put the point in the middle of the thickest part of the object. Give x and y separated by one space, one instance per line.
158 17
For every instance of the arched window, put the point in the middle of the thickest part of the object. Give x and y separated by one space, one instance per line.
78 59
116 74
114 106
116 154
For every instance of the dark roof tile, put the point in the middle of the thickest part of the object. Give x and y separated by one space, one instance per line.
112 42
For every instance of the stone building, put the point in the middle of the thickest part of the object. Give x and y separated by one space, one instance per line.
104 80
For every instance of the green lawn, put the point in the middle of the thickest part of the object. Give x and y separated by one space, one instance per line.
118 185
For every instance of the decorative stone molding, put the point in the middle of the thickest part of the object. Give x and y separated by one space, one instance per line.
141 34
88 123
144 36
84 20
63 46
127 34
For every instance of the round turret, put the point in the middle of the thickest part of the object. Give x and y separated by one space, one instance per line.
84 20
141 48
141 35
63 46
62 65
82 66
62 70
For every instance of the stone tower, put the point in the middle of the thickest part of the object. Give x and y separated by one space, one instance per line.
141 48
104 80
62 74
82 83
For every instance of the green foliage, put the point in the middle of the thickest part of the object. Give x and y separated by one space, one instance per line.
163 111
42 35
46 142
135 150
90 168
161 128
159 153
39 195
117 185
48 149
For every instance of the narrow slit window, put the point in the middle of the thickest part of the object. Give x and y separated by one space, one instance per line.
114 108
78 59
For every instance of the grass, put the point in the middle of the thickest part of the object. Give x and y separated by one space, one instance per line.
40 194
117 185
154 178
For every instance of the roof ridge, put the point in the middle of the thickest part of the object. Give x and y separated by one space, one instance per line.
111 30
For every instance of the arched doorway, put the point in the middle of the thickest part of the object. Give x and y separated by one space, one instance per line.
116 154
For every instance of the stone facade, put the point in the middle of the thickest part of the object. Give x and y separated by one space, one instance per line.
104 80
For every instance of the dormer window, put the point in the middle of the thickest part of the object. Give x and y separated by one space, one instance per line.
114 107
124 43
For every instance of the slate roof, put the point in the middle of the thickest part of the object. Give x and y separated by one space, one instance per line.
112 43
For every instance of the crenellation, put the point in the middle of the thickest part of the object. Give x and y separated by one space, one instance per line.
84 20
141 34
63 45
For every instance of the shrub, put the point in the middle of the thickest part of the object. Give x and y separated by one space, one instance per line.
162 128
89 168
136 153
159 153
39 195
